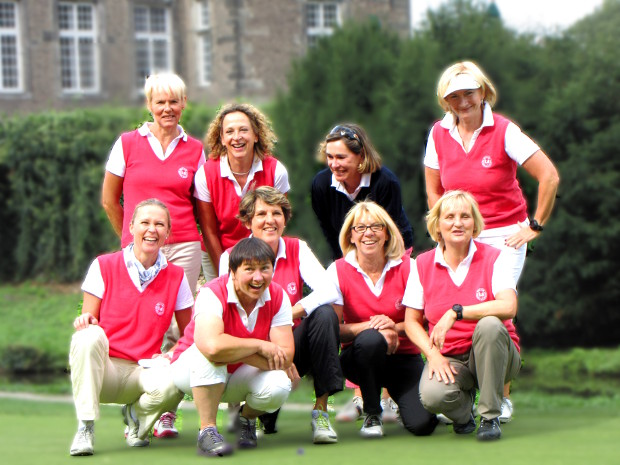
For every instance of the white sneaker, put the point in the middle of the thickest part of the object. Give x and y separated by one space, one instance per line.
164 427
391 413
352 411
133 427
506 413
322 431
83 442
372 427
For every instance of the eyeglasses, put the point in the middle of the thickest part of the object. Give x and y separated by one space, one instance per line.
344 131
361 228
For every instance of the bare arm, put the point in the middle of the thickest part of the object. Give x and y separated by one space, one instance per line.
183 317
540 167
434 189
90 312
110 201
208 226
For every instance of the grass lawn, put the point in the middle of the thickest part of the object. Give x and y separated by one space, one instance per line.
41 432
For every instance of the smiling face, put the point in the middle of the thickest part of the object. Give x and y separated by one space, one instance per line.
238 136
456 224
166 109
268 223
343 163
466 103
369 243
251 279
149 228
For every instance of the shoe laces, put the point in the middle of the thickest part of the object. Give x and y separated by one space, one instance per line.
167 420
248 428
492 423
322 421
372 420
85 434
213 434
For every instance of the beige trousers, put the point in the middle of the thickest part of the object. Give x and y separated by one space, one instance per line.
492 361
96 378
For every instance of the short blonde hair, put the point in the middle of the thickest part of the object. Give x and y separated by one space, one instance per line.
260 125
394 246
169 83
357 141
447 201
470 68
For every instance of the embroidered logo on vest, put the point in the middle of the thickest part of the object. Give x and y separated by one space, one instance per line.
183 172
159 308
399 305
481 294
487 161
291 288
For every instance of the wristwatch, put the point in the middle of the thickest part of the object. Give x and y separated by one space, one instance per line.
458 309
535 225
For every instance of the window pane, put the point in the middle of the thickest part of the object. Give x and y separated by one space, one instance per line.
7 15
85 17
86 52
67 63
330 16
8 52
312 14
207 63
205 17
140 19
65 16
158 20
142 61
160 55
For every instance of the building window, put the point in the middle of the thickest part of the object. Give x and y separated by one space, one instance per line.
10 72
153 41
78 52
321 20
205 42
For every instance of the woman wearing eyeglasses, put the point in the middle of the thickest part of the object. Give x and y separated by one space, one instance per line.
354 173
370 281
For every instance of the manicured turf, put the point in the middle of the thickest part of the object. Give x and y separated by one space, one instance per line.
41 432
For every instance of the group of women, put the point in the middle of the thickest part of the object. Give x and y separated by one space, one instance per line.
370 315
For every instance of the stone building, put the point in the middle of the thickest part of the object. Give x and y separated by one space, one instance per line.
57 54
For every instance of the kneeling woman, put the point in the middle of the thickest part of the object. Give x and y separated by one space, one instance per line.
466 291
238 347
130 298
370 280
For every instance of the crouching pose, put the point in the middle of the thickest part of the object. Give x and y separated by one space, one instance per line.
466 291
238 347
129 300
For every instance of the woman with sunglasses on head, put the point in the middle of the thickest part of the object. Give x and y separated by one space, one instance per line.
370 281
354 173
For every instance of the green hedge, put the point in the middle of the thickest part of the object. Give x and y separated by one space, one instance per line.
51 170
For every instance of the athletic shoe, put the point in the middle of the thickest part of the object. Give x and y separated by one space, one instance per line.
465 428
444 419
134 426
372 427
164 427
391 413
247 432
84 440
212 444
489 430
322 431
352 411
506 413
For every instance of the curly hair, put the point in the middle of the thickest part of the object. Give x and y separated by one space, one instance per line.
260 125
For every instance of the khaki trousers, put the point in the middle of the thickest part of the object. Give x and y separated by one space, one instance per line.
96 378
492 361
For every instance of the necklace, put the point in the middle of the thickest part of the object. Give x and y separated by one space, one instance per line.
240 174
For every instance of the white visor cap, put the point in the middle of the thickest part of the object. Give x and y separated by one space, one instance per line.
461 82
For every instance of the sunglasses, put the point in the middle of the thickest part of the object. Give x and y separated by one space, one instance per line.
344 131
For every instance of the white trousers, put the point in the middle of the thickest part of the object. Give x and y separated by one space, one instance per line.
264 391
96 378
